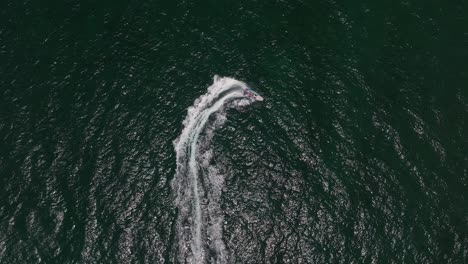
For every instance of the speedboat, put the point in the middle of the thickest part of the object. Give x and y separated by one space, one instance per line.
252 94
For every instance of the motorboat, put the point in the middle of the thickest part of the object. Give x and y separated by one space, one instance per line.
252 94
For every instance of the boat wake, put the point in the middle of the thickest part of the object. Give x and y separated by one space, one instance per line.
196 184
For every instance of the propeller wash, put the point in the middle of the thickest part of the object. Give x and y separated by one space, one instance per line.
196 184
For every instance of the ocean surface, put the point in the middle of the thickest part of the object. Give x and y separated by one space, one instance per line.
126 134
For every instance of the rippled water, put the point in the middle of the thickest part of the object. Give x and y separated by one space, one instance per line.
358 154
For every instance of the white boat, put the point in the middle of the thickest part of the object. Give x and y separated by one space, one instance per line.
252 94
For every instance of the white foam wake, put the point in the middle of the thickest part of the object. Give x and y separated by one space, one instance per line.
199 223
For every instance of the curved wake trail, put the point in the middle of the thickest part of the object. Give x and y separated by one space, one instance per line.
199 223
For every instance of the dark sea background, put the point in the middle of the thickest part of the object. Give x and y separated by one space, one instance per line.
359 153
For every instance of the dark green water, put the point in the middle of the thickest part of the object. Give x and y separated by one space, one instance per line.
357 155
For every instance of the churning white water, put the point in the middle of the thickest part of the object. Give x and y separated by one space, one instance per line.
199 214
